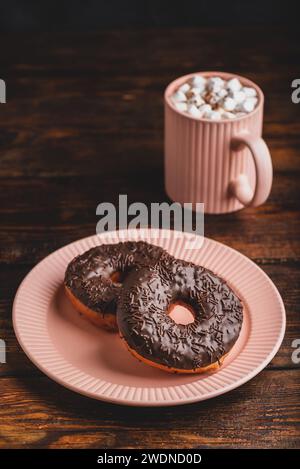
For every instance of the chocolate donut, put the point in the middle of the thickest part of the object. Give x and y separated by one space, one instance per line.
155 338
93 280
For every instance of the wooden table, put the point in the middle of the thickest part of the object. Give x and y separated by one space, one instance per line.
83 123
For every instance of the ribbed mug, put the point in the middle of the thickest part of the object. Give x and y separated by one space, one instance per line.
224 164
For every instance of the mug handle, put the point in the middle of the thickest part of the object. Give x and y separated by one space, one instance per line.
240 187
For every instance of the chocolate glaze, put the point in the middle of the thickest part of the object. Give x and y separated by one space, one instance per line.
88 276
145 325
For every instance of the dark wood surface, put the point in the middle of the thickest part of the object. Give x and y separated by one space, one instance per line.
83 123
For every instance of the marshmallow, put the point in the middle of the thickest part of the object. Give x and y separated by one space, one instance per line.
222 93
213 98
234 85
181 107
184 88
178 97
194 111
205 108
228 115
198 81
215 84
229 104
238 96
215 115
196 99
249 92
196 91
248 105
216 98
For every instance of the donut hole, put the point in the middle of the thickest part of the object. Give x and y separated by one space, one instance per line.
119 276
181 312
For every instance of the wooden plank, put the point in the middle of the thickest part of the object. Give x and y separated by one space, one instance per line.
71 150
37 412
38 216
64 92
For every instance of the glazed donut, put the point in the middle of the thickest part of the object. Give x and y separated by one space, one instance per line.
155 338
93 280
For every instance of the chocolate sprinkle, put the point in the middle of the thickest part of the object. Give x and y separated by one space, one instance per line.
147 328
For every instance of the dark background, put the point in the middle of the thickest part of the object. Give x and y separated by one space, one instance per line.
92 15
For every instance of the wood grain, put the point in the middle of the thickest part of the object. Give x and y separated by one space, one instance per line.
49 415
83 123
54 213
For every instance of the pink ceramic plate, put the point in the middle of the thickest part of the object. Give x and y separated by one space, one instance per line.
95 363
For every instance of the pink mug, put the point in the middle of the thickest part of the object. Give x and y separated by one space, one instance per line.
224 164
